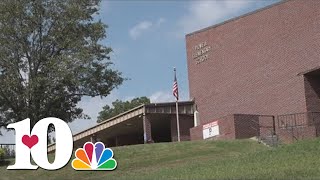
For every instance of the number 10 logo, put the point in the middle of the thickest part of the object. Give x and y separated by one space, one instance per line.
35 144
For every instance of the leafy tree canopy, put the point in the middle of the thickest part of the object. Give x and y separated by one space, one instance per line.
50 57
120 107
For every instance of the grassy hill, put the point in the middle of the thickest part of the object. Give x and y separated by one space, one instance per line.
240 159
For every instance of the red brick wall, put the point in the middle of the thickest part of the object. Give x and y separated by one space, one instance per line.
296 134
254 60
196 133
307 125
226 129
266 126
239 126
246 125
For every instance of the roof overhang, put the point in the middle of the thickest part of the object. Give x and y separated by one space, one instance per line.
185 107
313 72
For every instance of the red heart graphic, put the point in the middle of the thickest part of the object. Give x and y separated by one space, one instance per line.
30 141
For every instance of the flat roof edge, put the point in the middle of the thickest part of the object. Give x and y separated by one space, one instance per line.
168 103
309 71
110 119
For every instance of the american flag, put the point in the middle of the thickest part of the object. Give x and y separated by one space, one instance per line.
175 86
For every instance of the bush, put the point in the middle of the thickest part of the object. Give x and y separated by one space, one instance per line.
2 154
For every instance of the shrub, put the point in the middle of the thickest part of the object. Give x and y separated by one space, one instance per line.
2 154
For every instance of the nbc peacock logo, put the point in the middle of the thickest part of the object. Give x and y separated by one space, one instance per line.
94 157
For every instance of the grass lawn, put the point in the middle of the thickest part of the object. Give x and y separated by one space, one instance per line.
239 159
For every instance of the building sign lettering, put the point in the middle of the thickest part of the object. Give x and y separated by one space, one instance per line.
201 52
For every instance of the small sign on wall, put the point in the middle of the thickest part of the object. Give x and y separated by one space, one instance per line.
200 53
210 130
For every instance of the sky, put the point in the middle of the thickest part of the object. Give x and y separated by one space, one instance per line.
148 41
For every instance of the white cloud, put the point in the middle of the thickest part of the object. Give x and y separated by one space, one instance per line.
166 96
144 26
202 14
161 96
136 30
160 21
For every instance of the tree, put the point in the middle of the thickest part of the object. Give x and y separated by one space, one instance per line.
50 57
120 107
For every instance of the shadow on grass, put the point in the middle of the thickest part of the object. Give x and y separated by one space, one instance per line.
4 163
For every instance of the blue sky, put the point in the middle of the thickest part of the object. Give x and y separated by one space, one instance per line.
148 40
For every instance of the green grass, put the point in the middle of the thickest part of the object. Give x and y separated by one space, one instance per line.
239 159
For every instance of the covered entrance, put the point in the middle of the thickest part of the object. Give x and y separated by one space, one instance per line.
312 90
155 122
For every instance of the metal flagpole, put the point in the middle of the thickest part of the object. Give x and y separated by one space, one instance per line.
178 126
177 107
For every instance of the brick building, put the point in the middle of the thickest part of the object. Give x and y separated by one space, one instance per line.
260 70
254 75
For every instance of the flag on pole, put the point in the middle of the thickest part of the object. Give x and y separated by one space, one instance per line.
175 86
176 94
